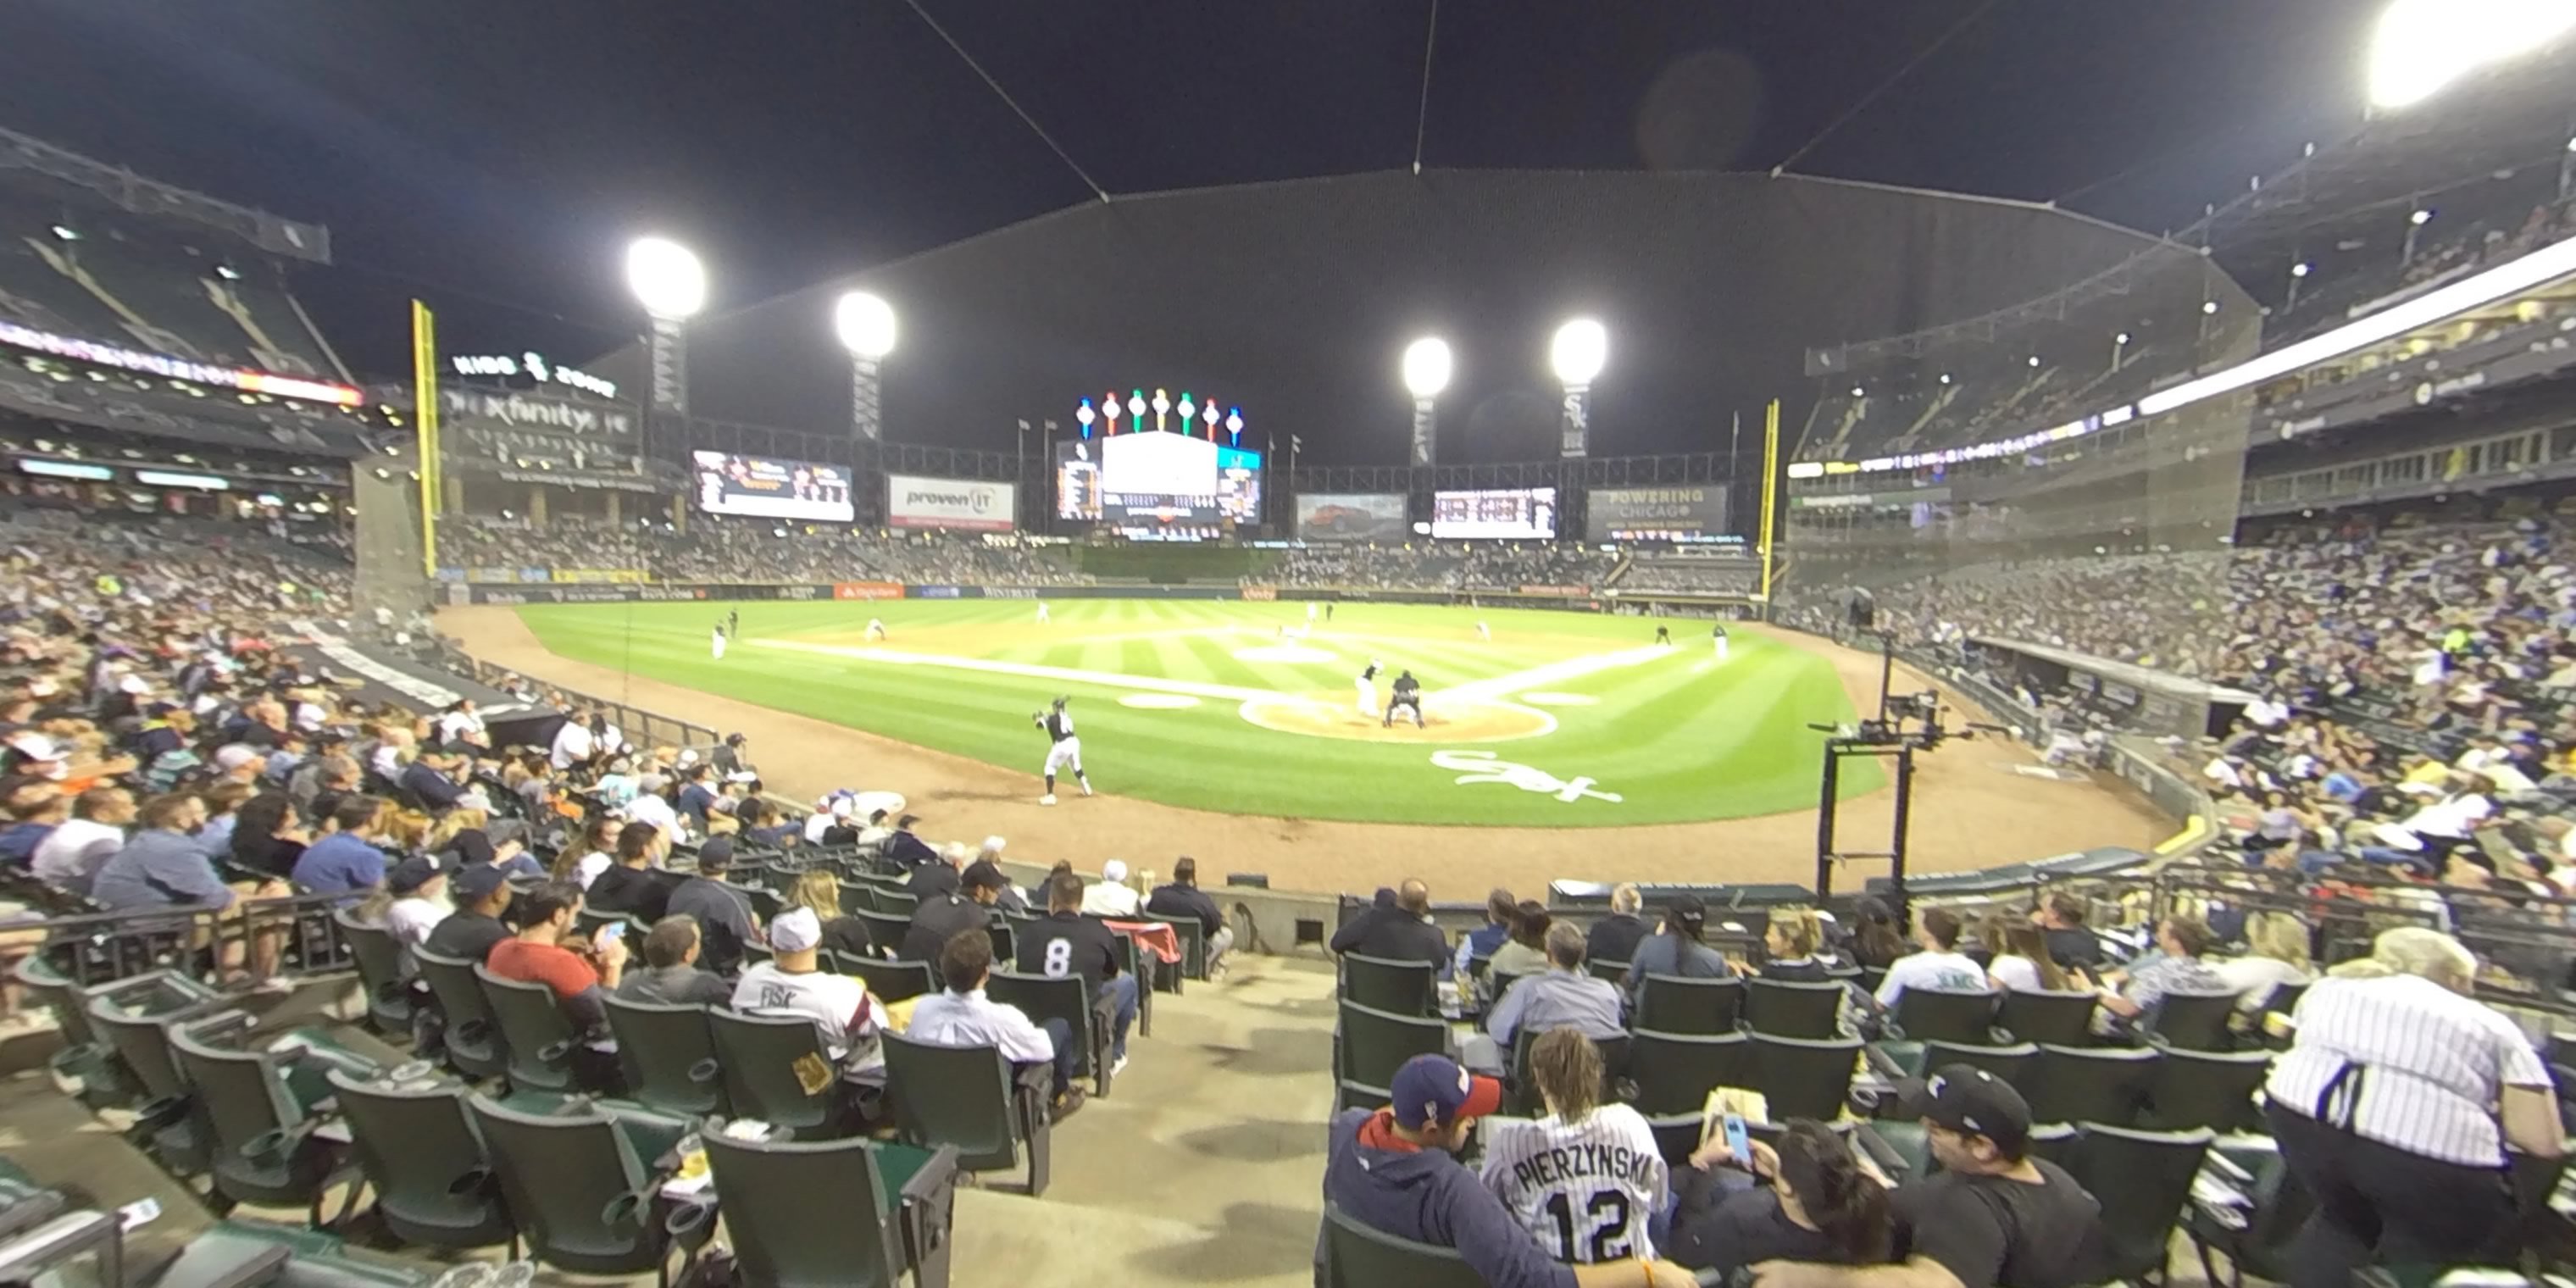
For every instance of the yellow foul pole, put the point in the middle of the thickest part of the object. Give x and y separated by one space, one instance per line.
424 411
1770 494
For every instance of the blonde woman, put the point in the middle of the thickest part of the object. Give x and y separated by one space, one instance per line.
2393 1107
820 890
2276 953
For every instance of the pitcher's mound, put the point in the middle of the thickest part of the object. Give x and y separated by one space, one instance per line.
1448 720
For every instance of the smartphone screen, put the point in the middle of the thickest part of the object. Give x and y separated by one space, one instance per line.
1738 1142
613 930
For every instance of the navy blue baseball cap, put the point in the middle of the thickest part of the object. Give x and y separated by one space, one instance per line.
1432 1089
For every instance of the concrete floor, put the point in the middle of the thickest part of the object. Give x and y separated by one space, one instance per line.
1204 1166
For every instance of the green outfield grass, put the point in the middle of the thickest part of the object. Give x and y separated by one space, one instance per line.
1672 733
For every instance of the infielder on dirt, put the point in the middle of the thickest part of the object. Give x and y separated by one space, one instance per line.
1717 640
1368 687
876 628
1408 695
1065 749
719 641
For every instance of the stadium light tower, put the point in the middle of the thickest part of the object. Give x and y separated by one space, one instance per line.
1578 352
671 284
865 324
1427 366
2421 46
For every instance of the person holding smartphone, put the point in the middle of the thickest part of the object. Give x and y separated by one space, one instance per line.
1813 1200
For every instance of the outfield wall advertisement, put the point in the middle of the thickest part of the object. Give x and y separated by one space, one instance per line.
913 501
1557 597
1351 516
1656 514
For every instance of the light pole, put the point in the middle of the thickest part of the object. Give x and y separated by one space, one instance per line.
2415 221
671 284
1427 367
1578 352
2298 273
865 325
2119 349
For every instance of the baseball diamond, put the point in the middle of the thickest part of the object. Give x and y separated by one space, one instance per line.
1575 720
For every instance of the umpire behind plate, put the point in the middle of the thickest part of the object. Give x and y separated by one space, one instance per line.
1408 695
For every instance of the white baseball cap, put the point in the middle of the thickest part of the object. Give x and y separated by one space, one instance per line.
795 931
233 756
1113 872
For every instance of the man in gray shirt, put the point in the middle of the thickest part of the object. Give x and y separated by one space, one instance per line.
1564 997
671 975
163 866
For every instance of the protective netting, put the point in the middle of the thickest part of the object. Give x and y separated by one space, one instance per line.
2093 528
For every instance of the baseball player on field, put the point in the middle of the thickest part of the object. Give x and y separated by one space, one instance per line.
1717 640
1585 1178
1484 632
720 641
1063 749
876 628
1042 612
1368 687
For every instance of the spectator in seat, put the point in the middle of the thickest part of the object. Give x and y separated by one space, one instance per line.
162 867
1526 952
1111 897
1500 909
2072 944
269 835
942 917
471 932
539 954
2276 953
2394 1105
631 885
1183 898
732 755
697 794
1011 902
419 889
1615 938
931 880
1937 964
347 861
2017 956
904 851
1792 945
1991 1215
81 845
1876 942
1618 1149
36 811
820 889
793 983
593 853
1399 930
1395 1170
1562 996
1814 1201
723 916
961 1016
432 780
1068 943
2178 967
671 974
223 803
323 776
1675 949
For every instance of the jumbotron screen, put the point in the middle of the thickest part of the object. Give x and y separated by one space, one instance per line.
1158 485
1522 513
759 487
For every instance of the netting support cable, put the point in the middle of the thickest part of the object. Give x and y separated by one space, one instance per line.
1422 114
1012 103
1883 86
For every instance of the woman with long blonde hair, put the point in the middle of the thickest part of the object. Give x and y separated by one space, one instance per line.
820 889
2276 953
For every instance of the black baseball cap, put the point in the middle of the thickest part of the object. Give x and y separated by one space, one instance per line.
982 875
477 882
1968 1099
1686 909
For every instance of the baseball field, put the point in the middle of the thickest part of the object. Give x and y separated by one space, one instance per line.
1543 719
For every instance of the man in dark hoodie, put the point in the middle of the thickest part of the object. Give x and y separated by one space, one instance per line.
1395 1170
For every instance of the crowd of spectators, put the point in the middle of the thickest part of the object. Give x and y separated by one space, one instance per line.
1497 566
749 550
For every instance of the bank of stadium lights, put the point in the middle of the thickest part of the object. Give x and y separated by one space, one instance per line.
228 272
2422 46
1578 352
864 324
1426 367
666 277
64 232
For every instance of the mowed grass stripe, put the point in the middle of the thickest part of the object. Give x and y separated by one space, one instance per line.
1676 742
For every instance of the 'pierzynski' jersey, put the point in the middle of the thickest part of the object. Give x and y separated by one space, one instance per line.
1586 1190
1058 724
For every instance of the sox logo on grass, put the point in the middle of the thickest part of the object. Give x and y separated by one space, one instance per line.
1485 767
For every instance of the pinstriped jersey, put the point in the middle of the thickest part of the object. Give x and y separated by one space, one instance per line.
1585 1189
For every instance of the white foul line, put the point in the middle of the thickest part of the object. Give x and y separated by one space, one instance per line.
1025 670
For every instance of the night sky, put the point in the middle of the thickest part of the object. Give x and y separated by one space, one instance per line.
493 156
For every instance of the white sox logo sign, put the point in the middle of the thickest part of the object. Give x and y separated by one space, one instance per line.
1483 767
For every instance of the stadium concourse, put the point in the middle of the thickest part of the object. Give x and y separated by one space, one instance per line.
1968 796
